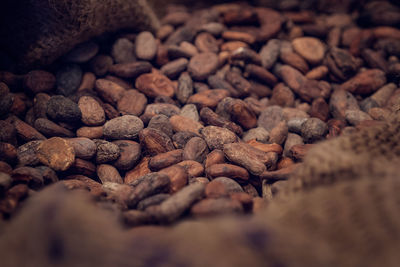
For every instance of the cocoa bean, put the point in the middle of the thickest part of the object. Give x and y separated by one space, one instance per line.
92 113
38 81
82 52
108 173
211 118
100 65
57 153
185 87
173 68
155 84
147 185
84 167
178 177
181 138
270 117
193 168
279 133
13 197
60 108
122 51
27 153
205 42
216 137
5 182
84 147
196 149
162 123
145 46
25 131
90 132
130 153
239 36
366 82
109 91
313 130
88 81
252 159
320 109
172 208
311 49
166 159
317 73
130 69
180 123
68 79
155 142
124 127
208 98
266 147
282 96
106 151
8 132
140 170
259 134
269 53
202 65
152 201
49 128
233 45
261 74
242 114
29 176
214 157
227 170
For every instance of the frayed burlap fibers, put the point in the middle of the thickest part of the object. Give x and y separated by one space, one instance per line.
36 32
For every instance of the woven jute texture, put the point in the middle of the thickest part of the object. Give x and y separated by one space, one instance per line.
36 32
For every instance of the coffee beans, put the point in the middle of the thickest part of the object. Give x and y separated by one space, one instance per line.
190 120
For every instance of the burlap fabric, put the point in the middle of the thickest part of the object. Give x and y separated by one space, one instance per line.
36 32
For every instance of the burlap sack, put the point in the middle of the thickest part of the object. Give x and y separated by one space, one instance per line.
36 32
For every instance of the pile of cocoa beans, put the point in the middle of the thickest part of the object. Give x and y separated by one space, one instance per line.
209 115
